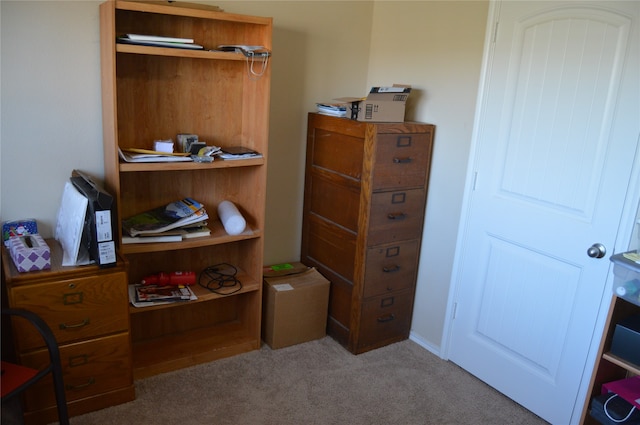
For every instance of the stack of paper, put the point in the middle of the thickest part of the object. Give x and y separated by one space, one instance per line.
333 109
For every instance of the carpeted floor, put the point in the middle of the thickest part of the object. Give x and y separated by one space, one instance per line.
318 382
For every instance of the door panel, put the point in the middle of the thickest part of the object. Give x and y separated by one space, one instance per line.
553 153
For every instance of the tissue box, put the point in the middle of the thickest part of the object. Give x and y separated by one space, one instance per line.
24 227
30 253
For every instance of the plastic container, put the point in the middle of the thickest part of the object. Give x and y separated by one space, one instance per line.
626 282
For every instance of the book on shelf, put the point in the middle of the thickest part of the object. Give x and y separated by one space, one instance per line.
126 240
176 214
144 155
159 41
175 235
145 37
149 295
238 152
195 232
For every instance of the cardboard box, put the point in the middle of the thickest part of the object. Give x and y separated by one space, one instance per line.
382 104
295 304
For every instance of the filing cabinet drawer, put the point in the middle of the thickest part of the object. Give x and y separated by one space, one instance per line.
335 201
396 216
386 317
75 309
402 160
89 368
332 246
337 152
390 268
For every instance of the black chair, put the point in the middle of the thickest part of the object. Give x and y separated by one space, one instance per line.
16 378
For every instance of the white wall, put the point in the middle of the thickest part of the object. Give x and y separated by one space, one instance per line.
51 124
437 48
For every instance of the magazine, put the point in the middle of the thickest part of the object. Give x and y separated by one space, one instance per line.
176 214
148 295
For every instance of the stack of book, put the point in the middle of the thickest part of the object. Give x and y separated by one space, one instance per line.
158 41
174 222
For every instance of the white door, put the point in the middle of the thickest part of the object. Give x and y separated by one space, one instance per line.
554 147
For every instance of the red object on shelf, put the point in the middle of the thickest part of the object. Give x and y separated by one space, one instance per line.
173 278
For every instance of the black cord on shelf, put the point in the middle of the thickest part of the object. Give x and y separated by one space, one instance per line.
220 279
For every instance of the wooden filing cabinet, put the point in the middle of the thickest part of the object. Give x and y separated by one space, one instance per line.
365 196
87 309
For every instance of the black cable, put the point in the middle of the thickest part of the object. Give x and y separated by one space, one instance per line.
217 278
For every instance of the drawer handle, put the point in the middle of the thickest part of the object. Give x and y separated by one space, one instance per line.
392 269
387 318
406 160
396 216
90 382
80 360
85 322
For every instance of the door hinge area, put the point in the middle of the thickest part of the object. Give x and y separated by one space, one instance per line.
455 309
495 32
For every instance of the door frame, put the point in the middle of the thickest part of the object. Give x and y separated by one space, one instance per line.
630 213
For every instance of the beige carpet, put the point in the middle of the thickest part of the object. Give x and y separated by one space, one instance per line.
318 382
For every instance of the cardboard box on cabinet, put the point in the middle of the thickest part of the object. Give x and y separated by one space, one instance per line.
382 104
295 304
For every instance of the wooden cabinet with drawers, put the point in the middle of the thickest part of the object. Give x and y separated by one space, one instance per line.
87 309
365 196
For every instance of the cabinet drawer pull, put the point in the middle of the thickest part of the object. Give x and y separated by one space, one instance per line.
387 318
406 160
80 360
396 216
391 269
90 382
85 322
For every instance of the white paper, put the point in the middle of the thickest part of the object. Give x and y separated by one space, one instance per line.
283 287
70 224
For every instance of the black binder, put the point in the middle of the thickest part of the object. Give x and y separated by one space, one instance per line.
98 235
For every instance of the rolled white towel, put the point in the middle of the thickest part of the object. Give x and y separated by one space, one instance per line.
231 219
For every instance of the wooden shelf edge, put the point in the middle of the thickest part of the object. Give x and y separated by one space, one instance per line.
635 369
193 10
126 167
203 295
192 348
215 238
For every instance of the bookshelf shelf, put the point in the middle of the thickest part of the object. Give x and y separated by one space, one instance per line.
203 295
185 53
218 237
155 93
130 167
